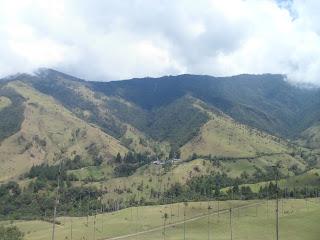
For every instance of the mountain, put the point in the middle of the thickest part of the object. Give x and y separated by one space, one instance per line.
140 139
39 130
266 101
51 113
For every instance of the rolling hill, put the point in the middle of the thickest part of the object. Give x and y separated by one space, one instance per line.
47 133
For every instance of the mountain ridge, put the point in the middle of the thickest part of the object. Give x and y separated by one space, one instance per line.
136 142
158 116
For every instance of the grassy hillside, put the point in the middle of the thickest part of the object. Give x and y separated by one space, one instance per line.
4 102
221 136
175 123
151 179
159 107
302 182
48 132
115 116
267 102
311 137
250 220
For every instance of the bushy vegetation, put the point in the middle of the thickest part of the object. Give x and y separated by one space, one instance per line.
209 187
37 199
10 233
177 123
127 165
51 172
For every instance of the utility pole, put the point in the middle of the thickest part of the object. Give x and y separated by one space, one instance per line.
306 195
268 201
94 227
230 223
277 203
56 200
208 220
165 216
184 221
102 216
218 210
71 233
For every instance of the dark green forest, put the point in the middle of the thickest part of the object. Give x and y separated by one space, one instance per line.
11 116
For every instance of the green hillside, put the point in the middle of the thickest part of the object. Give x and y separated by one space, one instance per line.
49 132
265 101
221 136
311 137
159 107
4 102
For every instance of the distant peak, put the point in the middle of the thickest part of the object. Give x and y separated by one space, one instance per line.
54 74
45 72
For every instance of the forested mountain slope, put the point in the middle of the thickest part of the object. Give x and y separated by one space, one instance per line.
189 114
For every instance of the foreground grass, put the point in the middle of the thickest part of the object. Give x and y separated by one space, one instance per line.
299 219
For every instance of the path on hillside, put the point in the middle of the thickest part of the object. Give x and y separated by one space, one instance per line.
181 222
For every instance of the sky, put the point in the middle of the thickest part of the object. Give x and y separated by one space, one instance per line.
111 39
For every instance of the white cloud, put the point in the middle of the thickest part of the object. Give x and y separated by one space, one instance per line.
113 39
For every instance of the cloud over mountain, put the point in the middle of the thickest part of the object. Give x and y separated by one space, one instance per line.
121 39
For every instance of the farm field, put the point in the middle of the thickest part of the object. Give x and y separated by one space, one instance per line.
255 219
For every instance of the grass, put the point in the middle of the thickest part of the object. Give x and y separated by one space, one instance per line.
62 131
4 102
310 137
299 219
151 177
234 168
222 136
154 177
309 179
94 173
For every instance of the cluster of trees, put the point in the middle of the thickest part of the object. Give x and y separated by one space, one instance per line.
177 123
209 187
270 191
51 172
37 200
10 233
267 174
47 172
174 153
127 164
38 197
198 188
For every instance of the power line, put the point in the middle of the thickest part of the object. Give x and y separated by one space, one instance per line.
230 223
